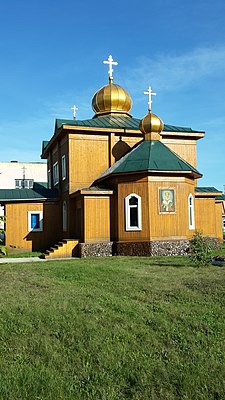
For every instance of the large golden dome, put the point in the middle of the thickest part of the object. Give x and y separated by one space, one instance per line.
111 99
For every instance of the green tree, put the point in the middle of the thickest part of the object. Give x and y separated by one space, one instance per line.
200 248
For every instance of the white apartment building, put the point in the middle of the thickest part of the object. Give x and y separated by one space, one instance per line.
18 175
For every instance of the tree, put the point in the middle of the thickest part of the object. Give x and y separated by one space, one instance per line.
200 248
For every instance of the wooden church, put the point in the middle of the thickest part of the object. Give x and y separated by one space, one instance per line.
117 185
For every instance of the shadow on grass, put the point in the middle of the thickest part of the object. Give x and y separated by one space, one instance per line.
173 261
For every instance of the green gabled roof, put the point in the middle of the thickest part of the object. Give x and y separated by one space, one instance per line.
108 121
150 155
27 194
206 189
44 144
116 122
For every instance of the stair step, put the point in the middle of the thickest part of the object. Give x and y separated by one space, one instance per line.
64 248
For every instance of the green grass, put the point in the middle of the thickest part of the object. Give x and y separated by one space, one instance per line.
112 328
24 254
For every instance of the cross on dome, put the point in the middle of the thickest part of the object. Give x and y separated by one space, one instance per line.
74 108
110 62
150 94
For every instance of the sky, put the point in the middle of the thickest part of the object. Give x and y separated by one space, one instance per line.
52 55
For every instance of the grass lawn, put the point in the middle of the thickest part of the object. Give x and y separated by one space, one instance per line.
112 328
24 254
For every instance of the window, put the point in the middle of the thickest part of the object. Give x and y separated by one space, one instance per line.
24 183
49 179
63 167
55 173
191 216
64 216
35 221
223 224
133 212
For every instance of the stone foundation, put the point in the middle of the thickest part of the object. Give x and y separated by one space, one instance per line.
95 249
141 249
157 248
215 243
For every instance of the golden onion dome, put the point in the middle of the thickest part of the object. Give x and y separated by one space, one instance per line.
111 99
151 124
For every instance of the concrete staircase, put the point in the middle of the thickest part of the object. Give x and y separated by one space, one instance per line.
63 249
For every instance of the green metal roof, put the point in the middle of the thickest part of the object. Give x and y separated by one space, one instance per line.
40 185
44 144
206 189
40 193
150 155
116 122
221 197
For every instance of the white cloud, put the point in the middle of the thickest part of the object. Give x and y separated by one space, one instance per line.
168 72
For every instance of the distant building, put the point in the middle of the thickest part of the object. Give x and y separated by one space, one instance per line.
18 175
116 185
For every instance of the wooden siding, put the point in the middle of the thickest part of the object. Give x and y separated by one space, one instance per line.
120 145
141 189
185 148
206 216
96 219
173 225
156 225
218 212
88 155
17 233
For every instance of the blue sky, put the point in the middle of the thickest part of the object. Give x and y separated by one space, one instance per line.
52 56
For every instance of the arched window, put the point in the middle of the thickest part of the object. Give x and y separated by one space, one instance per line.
133 212
191 215
64 216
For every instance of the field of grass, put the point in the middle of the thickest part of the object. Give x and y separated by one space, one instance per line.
112 329
24 254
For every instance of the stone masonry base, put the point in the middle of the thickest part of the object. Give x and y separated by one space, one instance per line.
156 248
142 249
95 249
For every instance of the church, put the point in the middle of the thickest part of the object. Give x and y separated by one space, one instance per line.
117 185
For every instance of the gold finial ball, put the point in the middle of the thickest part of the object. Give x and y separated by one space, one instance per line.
111 98
151 123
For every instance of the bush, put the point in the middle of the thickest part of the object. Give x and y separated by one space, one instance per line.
200 248
3 250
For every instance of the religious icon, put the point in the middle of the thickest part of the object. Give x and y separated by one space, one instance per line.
166 200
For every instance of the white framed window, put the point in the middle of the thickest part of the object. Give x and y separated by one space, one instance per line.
63 161
24 183
191 215
133 212
223 224
55 173
64 216
35 221
49 179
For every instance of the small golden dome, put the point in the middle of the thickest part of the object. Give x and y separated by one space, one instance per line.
111 99
151 124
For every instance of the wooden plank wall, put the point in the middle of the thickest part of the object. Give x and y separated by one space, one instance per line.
17 233
156 226
141 189
219 213
88 156
174 225
185 148
91 154
206 216
96 218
